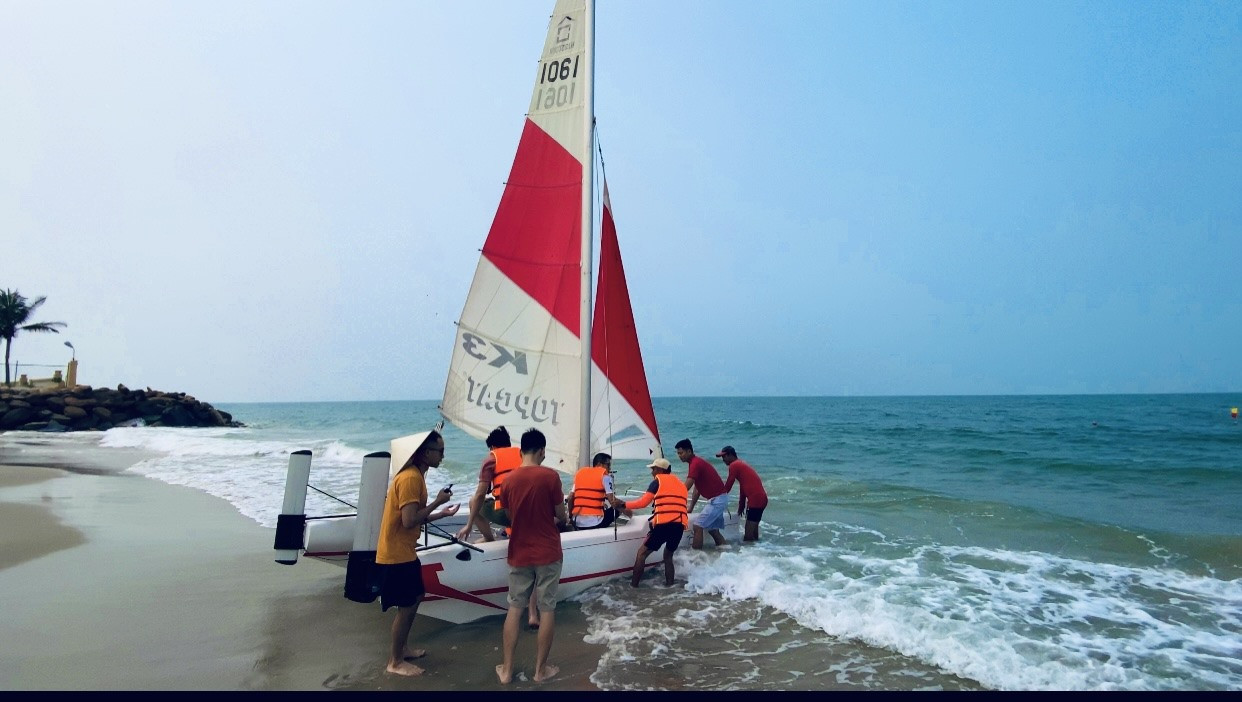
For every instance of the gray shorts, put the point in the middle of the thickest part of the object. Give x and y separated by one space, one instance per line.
712 517
544 579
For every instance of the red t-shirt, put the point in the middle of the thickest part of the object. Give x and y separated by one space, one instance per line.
531 495
750 486
487 471
706 479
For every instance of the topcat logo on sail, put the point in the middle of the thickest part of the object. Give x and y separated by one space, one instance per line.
536 408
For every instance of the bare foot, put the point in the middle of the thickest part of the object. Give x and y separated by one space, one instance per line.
549 671
413 654
505 678
403 668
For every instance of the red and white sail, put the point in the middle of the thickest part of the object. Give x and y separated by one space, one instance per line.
622 418
518 358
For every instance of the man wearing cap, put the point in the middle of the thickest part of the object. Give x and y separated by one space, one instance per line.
752 498
703 480
668 519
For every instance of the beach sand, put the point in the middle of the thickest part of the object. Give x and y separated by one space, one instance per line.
113 581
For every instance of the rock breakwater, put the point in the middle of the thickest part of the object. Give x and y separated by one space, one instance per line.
83 408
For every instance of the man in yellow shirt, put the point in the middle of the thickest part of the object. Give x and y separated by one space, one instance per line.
400 573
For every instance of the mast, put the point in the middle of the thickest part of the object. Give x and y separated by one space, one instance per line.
588 229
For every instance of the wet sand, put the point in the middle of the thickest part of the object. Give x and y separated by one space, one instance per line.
113 581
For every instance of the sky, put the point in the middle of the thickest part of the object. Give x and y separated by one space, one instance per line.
285 200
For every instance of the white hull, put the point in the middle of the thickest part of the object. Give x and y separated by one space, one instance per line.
461 591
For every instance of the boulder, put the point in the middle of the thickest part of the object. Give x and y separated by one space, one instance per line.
75 412
15 417
177 416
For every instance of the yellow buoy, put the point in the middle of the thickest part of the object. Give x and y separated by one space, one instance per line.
1233 412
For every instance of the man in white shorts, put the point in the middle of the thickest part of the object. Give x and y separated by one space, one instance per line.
703 480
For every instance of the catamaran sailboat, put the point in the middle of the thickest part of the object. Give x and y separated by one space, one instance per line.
530 351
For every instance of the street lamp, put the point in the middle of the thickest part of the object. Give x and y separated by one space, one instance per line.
75 351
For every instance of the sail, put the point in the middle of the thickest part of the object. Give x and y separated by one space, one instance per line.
622 418
517 360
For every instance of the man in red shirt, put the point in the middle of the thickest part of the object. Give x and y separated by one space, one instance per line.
536 505
752 498
703 480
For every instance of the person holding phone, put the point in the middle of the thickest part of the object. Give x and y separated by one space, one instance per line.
400 574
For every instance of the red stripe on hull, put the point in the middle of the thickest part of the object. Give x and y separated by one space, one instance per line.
442 592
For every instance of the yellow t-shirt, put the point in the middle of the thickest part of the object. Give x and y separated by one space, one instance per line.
396 543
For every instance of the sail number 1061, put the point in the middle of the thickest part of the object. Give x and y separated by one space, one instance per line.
559 70
563 72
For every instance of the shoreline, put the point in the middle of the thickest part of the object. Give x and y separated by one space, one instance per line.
112 580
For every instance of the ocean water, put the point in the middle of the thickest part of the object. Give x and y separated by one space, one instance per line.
1023 543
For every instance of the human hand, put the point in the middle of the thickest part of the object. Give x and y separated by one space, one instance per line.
463 532
451 510
445 494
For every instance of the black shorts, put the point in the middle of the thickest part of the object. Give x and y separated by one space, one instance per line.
667 534
401 584
753 515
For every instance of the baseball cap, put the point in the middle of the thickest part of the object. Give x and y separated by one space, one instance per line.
660 463
728 449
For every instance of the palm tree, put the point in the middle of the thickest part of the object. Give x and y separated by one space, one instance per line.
14 313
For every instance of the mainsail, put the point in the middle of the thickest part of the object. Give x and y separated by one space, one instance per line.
522 357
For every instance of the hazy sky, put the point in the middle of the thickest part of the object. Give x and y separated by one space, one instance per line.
268 200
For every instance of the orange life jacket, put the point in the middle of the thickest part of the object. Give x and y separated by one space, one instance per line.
589 492
670 501
507 459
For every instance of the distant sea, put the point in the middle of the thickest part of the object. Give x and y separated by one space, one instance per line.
1020 543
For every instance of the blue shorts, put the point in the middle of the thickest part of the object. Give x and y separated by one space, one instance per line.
712 517
754 515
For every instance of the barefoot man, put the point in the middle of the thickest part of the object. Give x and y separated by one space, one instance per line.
703 480
400 574
668 518
536 507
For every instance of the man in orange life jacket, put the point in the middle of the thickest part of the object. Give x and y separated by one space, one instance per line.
485 505
590 501
669 517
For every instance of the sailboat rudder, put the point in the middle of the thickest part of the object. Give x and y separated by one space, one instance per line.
360 581
291 524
